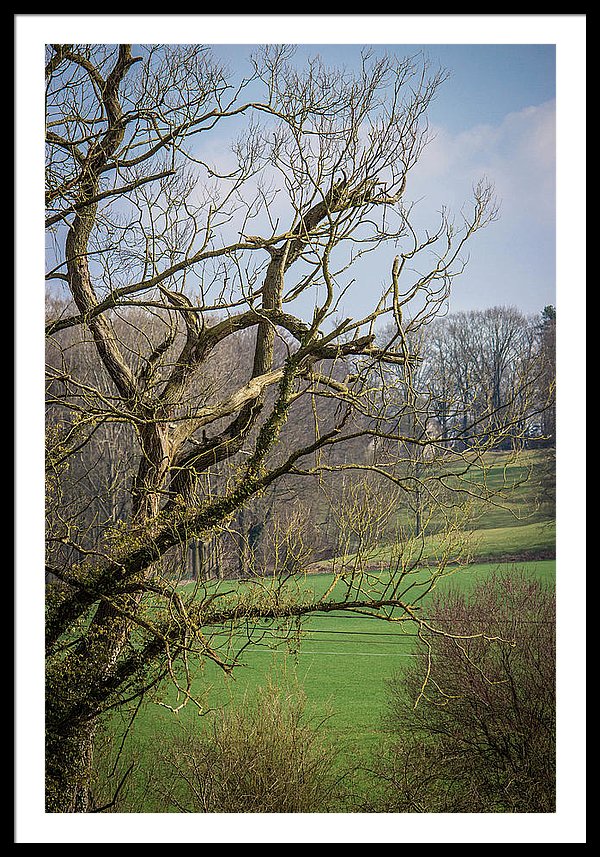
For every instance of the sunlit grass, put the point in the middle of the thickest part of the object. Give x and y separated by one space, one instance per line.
340 661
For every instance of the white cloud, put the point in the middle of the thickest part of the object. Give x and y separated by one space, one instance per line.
517 156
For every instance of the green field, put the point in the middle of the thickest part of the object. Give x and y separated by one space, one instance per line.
520 542
512 520
341 662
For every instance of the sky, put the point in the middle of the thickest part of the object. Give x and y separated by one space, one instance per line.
494 116
497 114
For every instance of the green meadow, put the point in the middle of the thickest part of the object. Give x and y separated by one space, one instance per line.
340 662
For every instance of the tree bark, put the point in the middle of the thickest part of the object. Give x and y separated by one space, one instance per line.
69 755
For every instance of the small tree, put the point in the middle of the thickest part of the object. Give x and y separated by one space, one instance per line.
473 719
264 754
547 345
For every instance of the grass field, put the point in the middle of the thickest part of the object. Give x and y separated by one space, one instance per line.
341 663
520 542
513 524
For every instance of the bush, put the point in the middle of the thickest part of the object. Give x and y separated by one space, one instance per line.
263 755
472 720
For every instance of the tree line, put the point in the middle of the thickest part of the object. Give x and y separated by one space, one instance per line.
474 371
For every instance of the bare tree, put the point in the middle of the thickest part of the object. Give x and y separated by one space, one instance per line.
473 720
546 331
487 370
175 265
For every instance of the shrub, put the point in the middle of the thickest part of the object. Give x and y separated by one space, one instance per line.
263 755
472 720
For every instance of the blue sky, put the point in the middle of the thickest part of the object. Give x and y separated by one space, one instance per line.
495 115
486 81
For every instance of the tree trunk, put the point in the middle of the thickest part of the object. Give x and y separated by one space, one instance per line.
195 561
69 755
154 466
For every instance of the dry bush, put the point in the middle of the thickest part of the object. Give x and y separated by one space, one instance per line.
478 735
264 754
